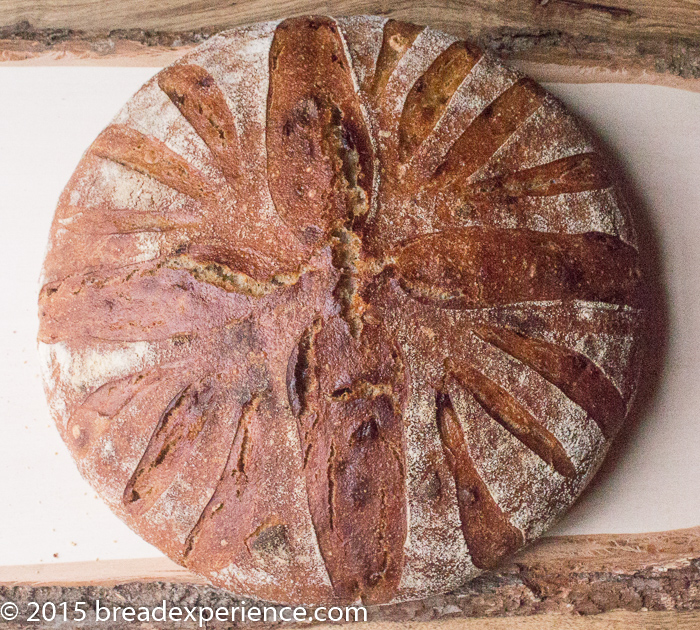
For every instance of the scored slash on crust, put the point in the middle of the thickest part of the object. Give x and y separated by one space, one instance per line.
347 377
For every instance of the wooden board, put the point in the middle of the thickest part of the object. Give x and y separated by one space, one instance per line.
639 581
648 41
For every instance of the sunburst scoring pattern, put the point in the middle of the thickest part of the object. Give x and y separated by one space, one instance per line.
340 309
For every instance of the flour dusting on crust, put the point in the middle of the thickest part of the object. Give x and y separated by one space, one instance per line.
313 405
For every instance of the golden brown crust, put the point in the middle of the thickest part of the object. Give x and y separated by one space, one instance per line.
314 118
195 93
489 535
397 38
431 94
340 310
352 439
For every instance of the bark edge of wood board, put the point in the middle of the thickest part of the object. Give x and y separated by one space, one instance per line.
552 40
649 580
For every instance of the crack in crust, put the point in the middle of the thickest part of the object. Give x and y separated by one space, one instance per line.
346 247
301 371
304 322
222 276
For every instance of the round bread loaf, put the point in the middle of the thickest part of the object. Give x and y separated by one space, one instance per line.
340 309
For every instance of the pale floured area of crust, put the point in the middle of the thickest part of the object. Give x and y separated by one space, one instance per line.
238 60
610 346
614 351
105 191
603 333
118 187
50 371
170 511
568 422
70 374
149 244
252 578
624 225
565 213
550 133
91 367
527 489
120 465
568 213
436 554
363 36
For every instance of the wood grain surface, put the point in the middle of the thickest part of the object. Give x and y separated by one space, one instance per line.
601 581
619 620
647 41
